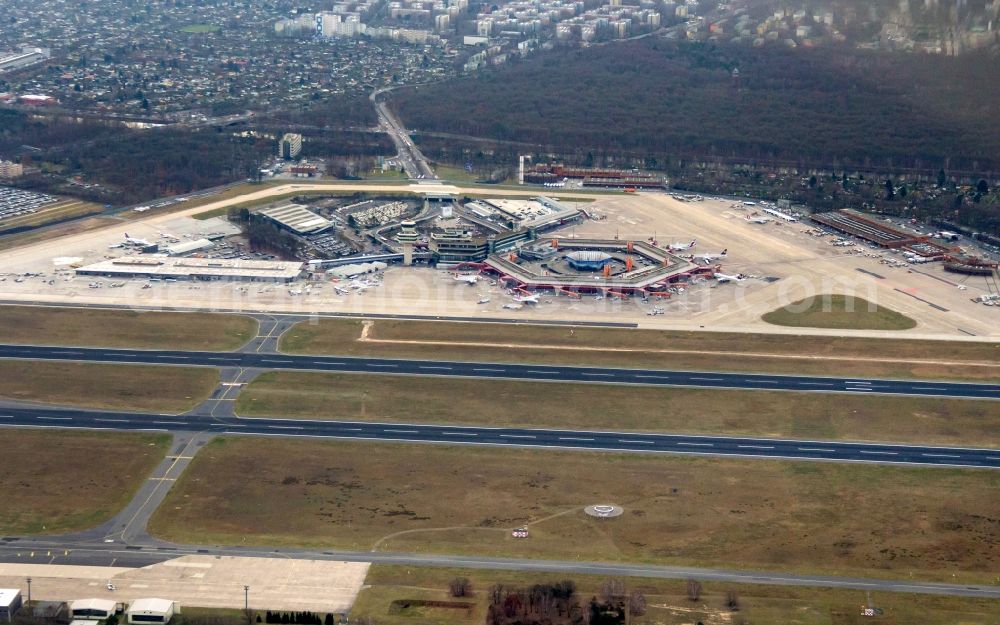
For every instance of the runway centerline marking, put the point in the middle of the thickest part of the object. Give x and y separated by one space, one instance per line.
879 453
755 446
697 444
635 442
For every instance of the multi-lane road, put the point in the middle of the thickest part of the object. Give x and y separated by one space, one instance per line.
409 155
546 373
632 442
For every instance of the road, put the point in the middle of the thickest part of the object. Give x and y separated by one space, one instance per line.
413 161
58 551
631 442
510 371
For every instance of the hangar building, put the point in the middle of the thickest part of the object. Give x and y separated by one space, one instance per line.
92 609
296 218
144 611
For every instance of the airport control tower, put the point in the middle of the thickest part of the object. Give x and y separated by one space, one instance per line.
407 237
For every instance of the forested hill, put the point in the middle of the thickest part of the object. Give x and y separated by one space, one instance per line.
655 97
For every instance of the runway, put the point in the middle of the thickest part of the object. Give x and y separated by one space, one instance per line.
509 371
626 442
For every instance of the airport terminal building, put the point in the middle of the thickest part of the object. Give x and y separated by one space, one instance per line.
205 269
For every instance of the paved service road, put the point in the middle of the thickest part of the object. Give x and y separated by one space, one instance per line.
548 373
55 551
837 451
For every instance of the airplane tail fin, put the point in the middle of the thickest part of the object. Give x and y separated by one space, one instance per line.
724 252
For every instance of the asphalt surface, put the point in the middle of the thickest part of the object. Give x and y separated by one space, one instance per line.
631 442
54 551
335 315
547 373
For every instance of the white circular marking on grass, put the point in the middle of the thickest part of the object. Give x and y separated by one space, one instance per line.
604 511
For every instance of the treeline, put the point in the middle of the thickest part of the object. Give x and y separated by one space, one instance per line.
264 236
558 604
341 111
661 99
107 163
296 618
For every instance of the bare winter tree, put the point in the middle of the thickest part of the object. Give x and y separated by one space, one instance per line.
733 600
613 590
460 587
636 603
694 590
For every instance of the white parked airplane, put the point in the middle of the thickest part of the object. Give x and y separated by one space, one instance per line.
680 247
133 241
513 306
757 218
526 299
468 278
340 290
723 278
707 258
483 300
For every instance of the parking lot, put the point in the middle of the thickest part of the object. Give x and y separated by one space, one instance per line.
17 202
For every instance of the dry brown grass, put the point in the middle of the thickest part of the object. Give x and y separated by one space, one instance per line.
59 481
624 347
596 406
124 328
667 600
822 517
112 387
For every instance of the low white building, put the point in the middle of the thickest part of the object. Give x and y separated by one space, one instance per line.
189 247
92 609
356 269
10 603
173 268
144 611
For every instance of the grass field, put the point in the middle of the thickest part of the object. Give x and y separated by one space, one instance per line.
29 237
66 209
597 407
112 387
667 600
839 312
124 328
104 468
764 353
820 517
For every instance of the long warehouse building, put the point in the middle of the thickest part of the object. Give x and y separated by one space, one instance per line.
208 269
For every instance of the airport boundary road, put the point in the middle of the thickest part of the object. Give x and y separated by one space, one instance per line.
55 551
507 371
579 440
